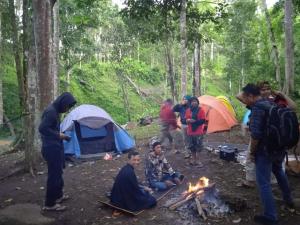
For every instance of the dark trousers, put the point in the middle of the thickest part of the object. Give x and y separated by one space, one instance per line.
55 182
264 167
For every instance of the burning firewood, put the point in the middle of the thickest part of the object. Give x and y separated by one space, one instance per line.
192 192
180 203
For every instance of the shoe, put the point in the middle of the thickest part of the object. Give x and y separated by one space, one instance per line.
290 206
56 207
264 220
198 164
187 156
62 199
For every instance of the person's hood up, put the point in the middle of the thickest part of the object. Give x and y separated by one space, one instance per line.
65 99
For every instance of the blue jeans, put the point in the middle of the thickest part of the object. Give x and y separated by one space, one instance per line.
160 185
264 166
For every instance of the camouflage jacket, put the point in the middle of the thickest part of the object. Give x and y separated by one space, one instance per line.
157 166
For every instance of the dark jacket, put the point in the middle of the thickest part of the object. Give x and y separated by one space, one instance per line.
50 122
127 194
181 109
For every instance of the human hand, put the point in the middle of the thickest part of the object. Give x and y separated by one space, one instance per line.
169 183
148 189
62 136
190 121
251 157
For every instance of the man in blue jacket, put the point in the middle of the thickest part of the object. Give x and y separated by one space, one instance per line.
53 151
265 161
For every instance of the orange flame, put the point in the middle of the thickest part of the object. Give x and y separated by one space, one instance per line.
202 182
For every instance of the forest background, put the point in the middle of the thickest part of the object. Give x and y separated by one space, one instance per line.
128 60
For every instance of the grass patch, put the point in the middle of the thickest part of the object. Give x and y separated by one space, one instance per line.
144 132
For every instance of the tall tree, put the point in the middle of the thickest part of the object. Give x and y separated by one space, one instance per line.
1 71
275 52
31 121
289 48
43 33
183 43
196 70
17 48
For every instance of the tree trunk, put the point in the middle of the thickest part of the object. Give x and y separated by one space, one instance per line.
124 93
17 53
43 41
170 70
275 53
289 48
10 126
183 44
1 72
242 83
31 121
55 48
197 70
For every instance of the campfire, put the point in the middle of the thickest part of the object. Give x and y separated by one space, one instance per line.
205 196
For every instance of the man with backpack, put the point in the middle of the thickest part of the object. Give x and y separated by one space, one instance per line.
279 99
267 157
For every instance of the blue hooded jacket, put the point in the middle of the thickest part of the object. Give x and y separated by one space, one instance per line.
50 122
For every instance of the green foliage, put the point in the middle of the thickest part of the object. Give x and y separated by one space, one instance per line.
140 71
96 83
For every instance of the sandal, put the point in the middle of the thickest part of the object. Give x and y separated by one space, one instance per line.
198 164
116 213
62 199
56 207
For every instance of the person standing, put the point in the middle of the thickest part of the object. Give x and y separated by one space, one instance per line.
181 109
52 150
265 162
195 119
167 123
278 98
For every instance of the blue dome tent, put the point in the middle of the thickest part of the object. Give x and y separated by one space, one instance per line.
93 132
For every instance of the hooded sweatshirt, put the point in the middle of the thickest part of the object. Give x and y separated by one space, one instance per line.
50 122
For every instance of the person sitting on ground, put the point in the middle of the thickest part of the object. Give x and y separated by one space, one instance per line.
180 109
126 192
159 172
195 119
167 123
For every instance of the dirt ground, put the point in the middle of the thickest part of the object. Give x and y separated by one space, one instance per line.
88 181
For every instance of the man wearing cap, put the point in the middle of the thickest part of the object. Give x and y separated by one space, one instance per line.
159 172
195 119
181 109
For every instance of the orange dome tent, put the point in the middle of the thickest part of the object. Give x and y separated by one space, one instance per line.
218 115
227 103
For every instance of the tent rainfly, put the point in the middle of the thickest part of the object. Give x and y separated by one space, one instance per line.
92 132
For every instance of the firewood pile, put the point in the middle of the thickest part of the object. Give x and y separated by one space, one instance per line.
196 193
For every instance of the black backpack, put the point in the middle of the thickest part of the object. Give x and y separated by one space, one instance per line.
282 128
